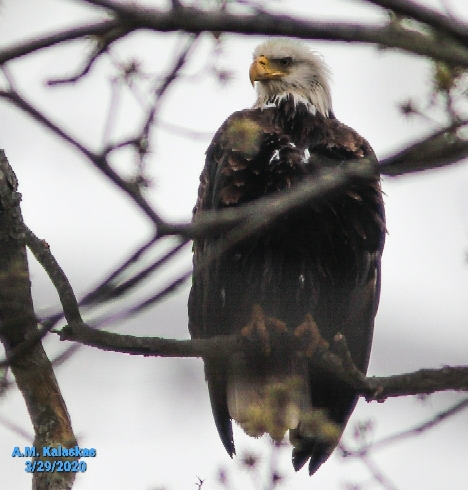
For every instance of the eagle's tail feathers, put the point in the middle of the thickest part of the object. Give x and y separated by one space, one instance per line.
317 451
216 380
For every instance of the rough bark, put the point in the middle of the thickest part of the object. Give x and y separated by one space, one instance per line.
32 370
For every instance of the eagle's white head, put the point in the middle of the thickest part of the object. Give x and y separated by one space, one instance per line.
285 66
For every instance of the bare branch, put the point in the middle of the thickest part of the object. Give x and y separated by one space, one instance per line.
151 346
25 347
449 25
377 474
265 211
425 381
134 257
188 19
103 42
420 428
151 301
442 148
192 20
41 250
160 295
422 382
183 131
69 34
166 83
16 429
109 291
65 355
33 372
365 449
81 73
15 98
98 160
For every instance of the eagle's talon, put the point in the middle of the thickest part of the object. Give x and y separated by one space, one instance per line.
261 327
310 333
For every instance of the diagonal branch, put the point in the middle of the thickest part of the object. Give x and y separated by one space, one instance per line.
67 34
166 83
16 429
451 26
103 43
98 160
71 312
112 286
41 251
146 303
441 148
420 428
265 211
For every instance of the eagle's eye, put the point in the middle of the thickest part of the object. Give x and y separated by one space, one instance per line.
285 61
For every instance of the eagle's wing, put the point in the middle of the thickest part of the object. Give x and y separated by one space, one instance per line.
322 260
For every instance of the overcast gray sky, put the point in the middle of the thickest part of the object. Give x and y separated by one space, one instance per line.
150 419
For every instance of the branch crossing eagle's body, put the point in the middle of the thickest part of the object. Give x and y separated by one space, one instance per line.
317 265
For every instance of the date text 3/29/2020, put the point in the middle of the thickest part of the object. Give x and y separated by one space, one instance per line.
54 465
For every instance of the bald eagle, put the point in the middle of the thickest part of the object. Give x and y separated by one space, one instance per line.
316 267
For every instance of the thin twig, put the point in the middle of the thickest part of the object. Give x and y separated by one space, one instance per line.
166 83
420 428
377 473
98 160
110 291
363 453
145 304
134 257
43 255
16 429
103 43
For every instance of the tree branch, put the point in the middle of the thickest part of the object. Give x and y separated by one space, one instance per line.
42 253
420 428
221 345
422 382
265 211
193 20
166 83
33 372
425 381
116 287
69 34
98 160
441 148
426 15
130 17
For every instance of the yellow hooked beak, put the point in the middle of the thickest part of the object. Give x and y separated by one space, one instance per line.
262 69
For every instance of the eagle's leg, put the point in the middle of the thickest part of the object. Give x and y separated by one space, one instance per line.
260 327
310 336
